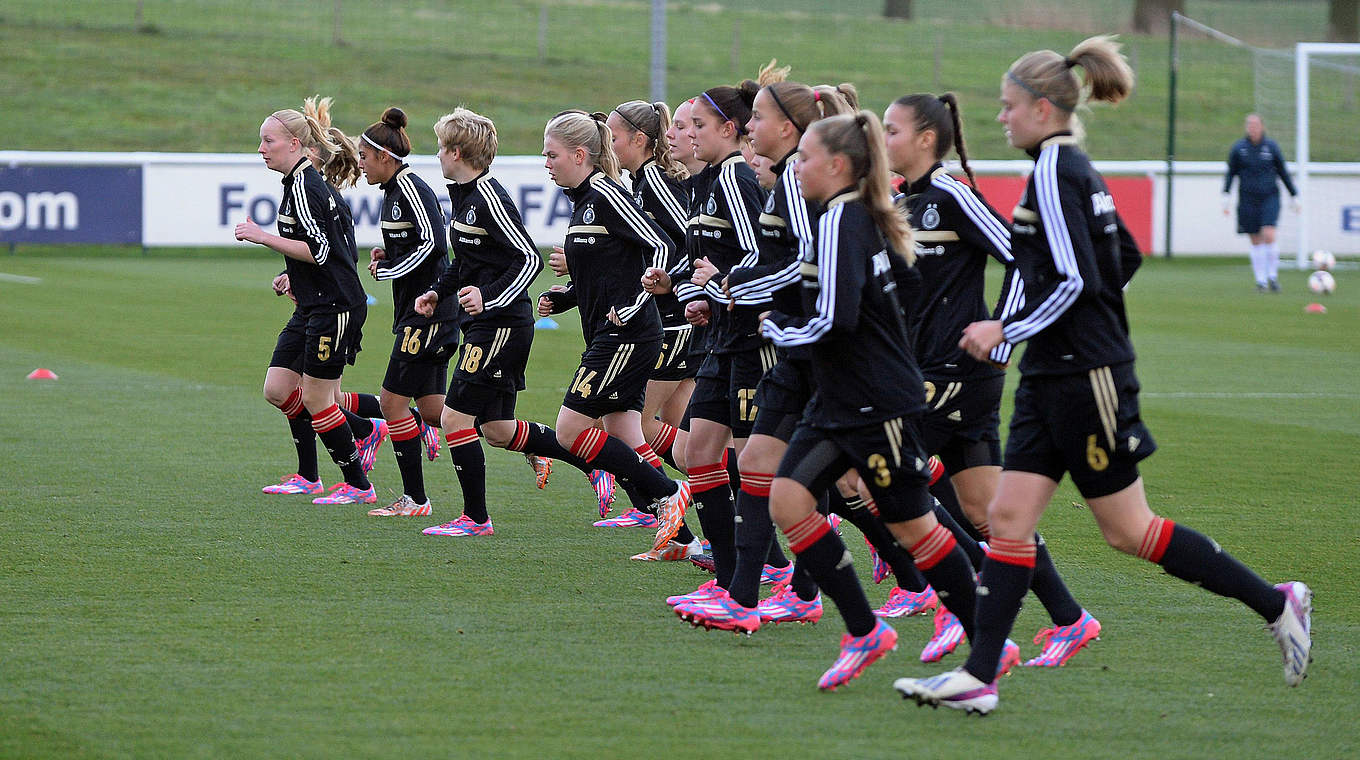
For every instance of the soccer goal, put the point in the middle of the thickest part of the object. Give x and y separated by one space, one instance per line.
1309 100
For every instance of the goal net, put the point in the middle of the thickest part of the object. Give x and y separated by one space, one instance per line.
1308 97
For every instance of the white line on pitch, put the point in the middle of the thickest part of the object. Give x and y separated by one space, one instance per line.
19 278
1248 394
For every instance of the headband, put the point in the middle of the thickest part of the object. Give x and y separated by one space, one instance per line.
394 156
1037 95
632 123
741 128
785 111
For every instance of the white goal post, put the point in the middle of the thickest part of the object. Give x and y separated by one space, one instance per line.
1303 52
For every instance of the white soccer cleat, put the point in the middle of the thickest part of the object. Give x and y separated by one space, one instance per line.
1293 631
957 689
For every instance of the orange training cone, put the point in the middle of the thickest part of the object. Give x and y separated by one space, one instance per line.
1315 308
42 374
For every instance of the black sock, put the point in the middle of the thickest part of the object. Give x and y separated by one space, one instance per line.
996 610
752 541
684 535
540 440
605 452
366 405
339 442
891 552
717 517
733 474
304 440
1194 557
410 456
943 491
952 579
636 498
360 426
470 464
802 584
827 561
775 557
1049 588
963 537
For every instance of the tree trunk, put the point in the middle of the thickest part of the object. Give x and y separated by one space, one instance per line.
1342 20
897 9
1154 16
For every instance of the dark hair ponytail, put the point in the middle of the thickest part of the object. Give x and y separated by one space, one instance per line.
732 103
941 116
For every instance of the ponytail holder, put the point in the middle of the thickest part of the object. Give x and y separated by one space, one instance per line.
1069 63
600 117
816 97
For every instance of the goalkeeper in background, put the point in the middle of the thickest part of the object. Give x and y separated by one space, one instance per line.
1256 160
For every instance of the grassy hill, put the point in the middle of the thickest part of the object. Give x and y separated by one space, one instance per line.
199 76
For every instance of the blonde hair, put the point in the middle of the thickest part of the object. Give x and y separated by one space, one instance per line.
859 137
471 133
578 129
340 166
801 105
772 72
1048 74
652 120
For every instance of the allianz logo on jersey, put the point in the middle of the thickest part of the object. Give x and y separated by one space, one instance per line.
39 211
1102 203
881 263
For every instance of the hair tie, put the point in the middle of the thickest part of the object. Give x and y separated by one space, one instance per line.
1069 63
368 140
1035 93
598 116
631 123
741 128
775 95
816 96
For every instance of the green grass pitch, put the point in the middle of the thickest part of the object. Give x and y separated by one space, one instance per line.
155 604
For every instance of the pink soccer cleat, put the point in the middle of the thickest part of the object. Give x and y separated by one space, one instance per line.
858 653
291 484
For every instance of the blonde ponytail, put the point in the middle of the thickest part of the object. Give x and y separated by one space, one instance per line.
859 137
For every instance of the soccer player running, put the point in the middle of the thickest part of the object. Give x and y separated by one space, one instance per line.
315 236
283 382
609 243
780 115
1256 160
867 391
1076 409
722 237
494 263
955 232
638 129
413 255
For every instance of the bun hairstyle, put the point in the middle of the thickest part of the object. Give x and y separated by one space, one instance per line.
340 166
578 129
652 120
859 137
1047 74
471 133
941 116
801 105
389 134
731 103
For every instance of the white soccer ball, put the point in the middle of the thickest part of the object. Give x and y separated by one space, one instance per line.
1323 260
1321 282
